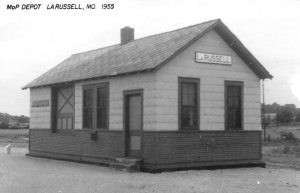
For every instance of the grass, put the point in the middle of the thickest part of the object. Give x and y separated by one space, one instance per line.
16 137
274 132
280 149
14 132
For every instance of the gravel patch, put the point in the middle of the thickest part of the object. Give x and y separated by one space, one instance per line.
19 173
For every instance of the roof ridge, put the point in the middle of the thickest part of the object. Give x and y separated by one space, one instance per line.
94 49
216 20
176 29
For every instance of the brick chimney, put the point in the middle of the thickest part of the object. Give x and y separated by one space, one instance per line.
127 35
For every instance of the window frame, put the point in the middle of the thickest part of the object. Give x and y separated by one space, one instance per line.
83 89
241 85
196 81
94 88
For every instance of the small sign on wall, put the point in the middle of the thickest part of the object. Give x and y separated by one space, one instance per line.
40 103
213 58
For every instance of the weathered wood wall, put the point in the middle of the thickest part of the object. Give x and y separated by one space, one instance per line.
168 150
77 146
161 150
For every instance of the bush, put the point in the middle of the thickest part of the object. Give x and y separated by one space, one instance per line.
297 119
285 116
288 136
3 125
13 127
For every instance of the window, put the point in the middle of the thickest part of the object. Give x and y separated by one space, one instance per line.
95 106
188 103
87 108
233 105
102 94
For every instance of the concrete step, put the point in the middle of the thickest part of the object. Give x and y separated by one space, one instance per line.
129 160
127 164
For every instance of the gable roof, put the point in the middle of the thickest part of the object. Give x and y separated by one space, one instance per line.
141 55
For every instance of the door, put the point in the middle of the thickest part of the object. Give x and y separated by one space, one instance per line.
233 106
133 125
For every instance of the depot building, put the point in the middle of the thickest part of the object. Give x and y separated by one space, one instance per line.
180 99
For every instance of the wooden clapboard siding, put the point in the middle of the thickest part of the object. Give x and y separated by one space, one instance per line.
40 116
212 78
78 145
182 149
116 88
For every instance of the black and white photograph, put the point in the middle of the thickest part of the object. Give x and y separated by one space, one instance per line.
140 96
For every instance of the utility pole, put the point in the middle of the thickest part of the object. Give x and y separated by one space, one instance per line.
276 117
264 110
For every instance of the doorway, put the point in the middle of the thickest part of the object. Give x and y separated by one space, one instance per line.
133 122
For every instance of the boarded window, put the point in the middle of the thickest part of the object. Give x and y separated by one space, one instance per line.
65 108
233 105
188 103
95 106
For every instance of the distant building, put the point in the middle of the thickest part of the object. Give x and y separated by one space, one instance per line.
24 125
13 123
271 116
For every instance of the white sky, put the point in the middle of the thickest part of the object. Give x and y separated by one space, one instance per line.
33 41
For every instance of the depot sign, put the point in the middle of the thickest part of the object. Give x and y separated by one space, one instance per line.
213 58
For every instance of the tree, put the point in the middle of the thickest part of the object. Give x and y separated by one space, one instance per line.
290 107
297 119
23 119
3 125
285 116
273 108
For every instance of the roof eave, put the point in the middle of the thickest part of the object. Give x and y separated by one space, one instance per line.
186 45
90 79
242 51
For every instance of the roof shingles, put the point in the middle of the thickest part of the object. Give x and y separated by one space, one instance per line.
138 55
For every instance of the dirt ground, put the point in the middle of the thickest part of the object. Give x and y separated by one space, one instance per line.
278 151
22 174
284 153
19 173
